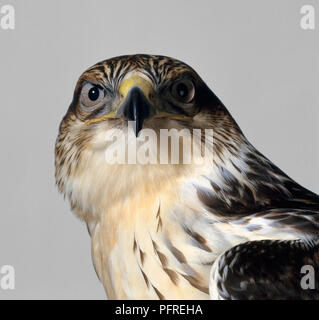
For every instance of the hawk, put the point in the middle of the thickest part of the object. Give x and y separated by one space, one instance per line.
233 227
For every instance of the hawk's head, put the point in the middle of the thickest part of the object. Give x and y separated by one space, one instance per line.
156 93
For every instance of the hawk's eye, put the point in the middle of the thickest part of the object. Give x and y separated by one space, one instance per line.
183 90
91 95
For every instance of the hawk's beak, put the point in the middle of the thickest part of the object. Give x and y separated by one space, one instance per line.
136 106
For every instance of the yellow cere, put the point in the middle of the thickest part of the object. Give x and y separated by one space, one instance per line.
137 81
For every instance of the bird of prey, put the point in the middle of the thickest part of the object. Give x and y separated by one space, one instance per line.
234 227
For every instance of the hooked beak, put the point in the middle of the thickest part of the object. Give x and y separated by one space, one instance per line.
135 108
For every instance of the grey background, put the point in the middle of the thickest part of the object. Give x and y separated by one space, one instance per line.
253 54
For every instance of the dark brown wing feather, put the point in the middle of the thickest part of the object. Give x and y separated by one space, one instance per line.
259 270
262 190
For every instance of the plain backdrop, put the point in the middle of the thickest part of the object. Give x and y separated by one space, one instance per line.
252 53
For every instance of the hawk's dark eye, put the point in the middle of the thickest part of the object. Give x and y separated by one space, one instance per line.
94 93
91 95
183 90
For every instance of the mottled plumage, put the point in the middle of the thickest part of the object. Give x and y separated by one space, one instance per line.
157 229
